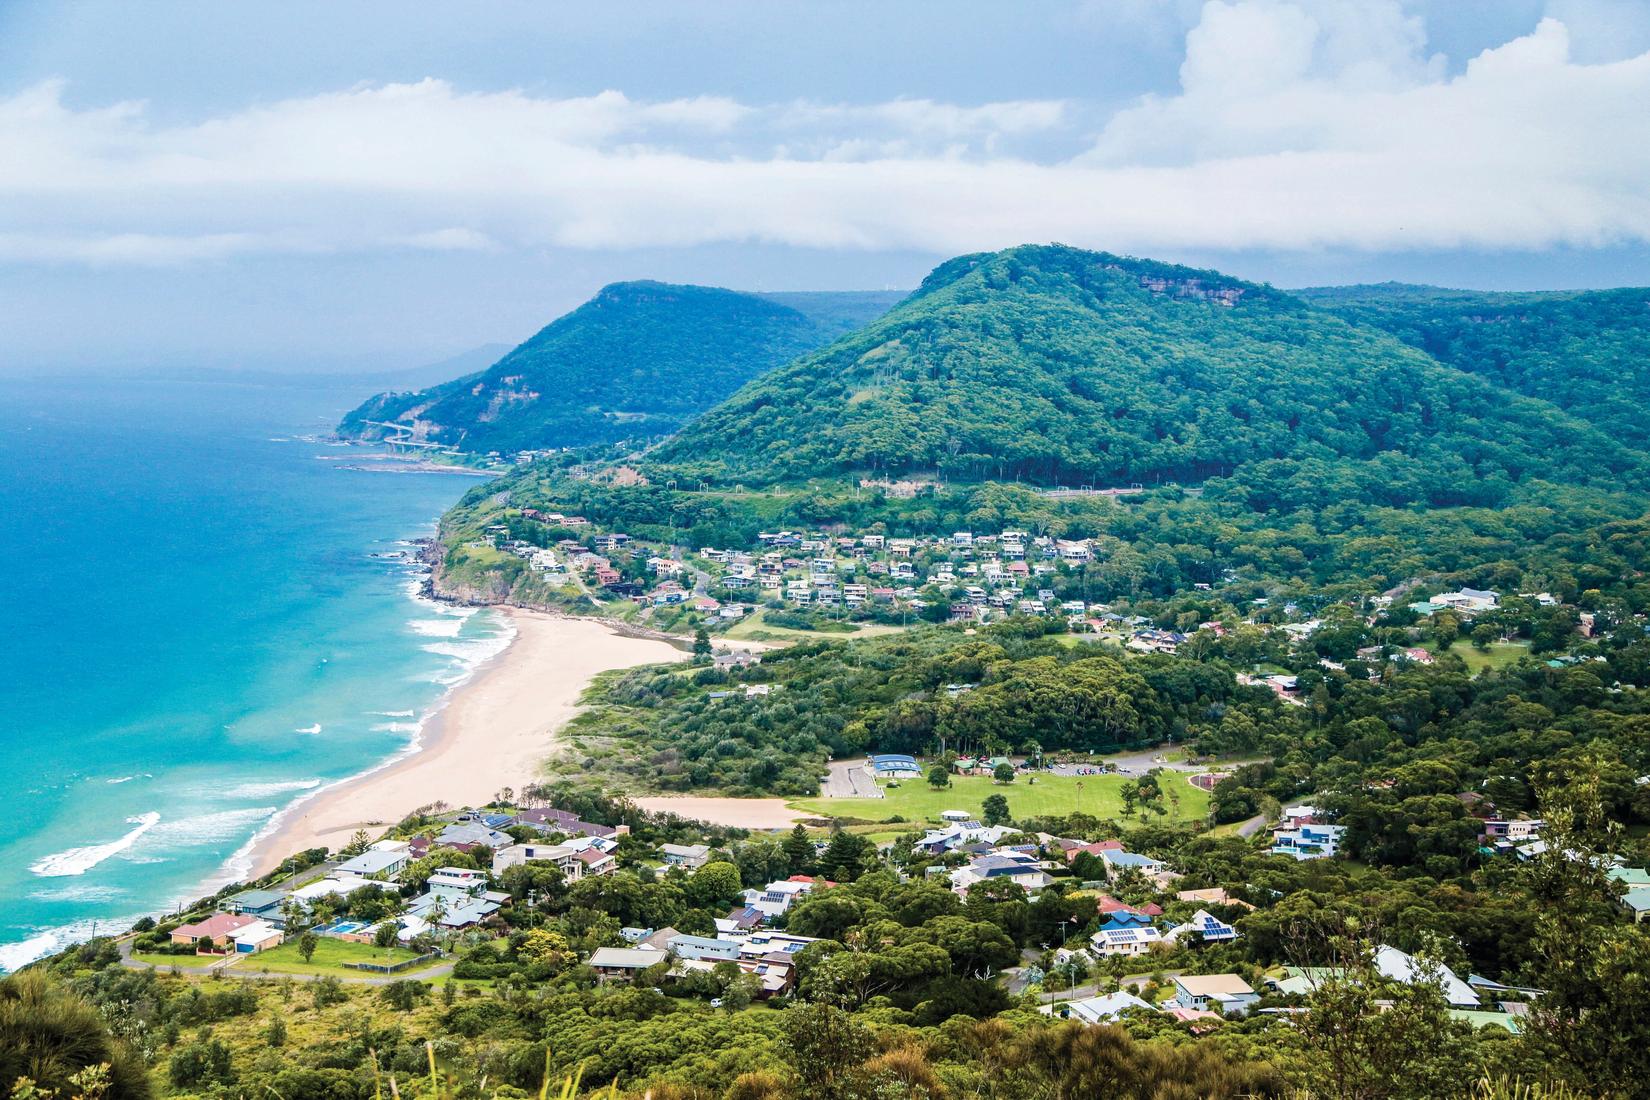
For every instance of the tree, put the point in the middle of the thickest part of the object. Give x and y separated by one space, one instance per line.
544 946
1370 1038
56 1039
404 995
994 810
386 934
1003 773
359 842
307 943
799 850
714 886
825 1045
938 777
1591 1021
845 856
701 642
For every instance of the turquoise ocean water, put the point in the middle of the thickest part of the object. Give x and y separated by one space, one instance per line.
206 621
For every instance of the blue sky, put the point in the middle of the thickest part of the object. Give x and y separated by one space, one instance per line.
326 186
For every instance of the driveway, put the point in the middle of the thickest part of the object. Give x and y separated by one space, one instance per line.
849 779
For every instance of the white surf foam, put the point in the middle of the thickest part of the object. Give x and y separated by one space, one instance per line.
265 790
446 627
84 892
187 832
397 727
77 861
393 713
316 728
15 956
129 778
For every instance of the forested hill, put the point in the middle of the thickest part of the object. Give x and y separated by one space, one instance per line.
637 360
1055 365
1585 351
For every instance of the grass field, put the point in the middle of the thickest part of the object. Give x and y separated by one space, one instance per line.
182 962
753 628
1499 655
329 957
1099 795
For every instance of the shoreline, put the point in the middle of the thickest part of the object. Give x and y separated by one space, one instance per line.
492 731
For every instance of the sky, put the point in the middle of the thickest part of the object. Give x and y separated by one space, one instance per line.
320 186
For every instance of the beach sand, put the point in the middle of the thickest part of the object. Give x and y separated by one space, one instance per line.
743 813
495 731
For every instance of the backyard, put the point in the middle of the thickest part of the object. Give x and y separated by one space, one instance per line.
329 958
1499 655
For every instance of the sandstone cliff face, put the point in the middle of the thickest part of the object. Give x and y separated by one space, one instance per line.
519 588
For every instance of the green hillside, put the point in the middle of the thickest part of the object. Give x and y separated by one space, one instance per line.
1585 351
1054 365
635 361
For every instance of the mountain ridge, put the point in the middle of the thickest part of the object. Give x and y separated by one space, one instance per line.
1056 365
636 360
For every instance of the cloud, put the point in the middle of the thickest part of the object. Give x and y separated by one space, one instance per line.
1298 124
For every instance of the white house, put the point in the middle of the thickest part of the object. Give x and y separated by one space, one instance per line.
1099 1010
1204 992
1400 967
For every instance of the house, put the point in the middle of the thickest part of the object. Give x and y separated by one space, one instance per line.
1205 924
741 918
257 936
1002 865
1124 938
552 820
1307 842
1117 860
624 963
689 856
938 841
469 834
380 865
894 766
1637 897
1466 601
266 905
597 861
213 934
1108 906
456 897
1073 850
564 856
726 662
703 947
1400 967
1099 1010
1228 993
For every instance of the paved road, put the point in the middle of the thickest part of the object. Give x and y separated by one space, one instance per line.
849 779
1252 826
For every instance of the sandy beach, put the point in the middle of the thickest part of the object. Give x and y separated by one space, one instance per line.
741 813
494 732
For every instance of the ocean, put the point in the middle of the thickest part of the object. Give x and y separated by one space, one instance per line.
208 619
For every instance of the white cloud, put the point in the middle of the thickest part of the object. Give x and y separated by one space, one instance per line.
1299 124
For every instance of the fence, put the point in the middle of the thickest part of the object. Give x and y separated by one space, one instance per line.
392 968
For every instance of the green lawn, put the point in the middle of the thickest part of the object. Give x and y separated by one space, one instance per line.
754 628
1499 655
329 957
182 962
915 800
